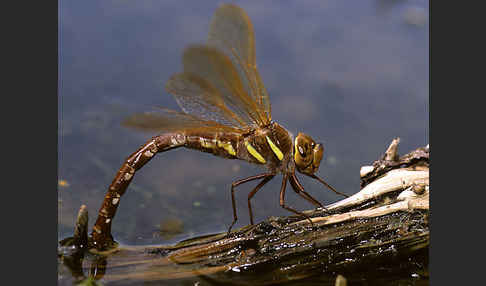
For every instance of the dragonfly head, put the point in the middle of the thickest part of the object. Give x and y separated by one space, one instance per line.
307 154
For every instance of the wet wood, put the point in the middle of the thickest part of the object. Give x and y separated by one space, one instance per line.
381 232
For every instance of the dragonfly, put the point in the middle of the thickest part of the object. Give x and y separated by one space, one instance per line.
226 111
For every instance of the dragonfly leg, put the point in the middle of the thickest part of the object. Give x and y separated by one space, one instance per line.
242 181
101 233
327 185
282 200
255 190
299 189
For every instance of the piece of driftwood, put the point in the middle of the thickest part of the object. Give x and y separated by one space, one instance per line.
378 235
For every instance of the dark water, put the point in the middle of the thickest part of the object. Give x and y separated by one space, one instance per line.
352 74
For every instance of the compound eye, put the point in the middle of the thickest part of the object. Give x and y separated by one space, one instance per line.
301 150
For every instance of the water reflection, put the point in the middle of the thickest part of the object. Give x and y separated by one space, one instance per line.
351 74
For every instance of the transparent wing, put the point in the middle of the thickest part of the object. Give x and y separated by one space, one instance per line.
166 120
231 31
220 87
211 82
198 97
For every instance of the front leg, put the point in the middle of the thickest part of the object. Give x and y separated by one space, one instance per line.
327 185
282 199
299 189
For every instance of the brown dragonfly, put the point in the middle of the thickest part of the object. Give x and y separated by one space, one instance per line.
226 112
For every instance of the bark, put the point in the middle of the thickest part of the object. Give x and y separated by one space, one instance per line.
379 235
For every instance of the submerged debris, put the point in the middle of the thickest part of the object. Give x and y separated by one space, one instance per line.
170 228
341 281
63 183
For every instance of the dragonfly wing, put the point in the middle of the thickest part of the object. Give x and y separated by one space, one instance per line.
220 86
166 120
218 72
196 96
232 32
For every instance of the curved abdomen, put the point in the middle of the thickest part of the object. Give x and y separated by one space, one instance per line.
270 146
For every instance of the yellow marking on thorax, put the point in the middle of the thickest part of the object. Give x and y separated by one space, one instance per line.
255 153
275 149
228 147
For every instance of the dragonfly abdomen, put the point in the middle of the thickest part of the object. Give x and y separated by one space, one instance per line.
219 144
